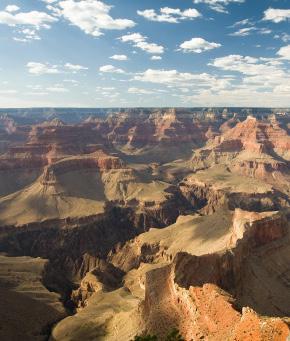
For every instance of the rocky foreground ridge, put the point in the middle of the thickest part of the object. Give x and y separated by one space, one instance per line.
205 295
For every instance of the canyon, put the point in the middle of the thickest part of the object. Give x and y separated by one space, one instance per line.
126 223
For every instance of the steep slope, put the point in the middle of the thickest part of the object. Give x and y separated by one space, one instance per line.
206 293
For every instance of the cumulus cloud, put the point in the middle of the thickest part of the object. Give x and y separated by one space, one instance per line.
91 16
140 41
247 65
170 15
110 69
258 74
75 67
42 68
276 15
120 57
26 23
284 52
12 8
198 45
34 18
156 58
46 68
169 76
218 5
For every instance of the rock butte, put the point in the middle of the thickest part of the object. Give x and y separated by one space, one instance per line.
141 221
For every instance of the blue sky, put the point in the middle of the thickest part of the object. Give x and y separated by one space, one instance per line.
121 53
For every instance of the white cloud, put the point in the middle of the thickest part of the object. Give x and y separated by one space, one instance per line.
156 58
262 75
284 52
198 45
46 68
242 32
248 65
120 57
242 23
246 31
264 31
41 91
41 68
285 37
91 16
26 35
170 76
75 67
110 69
27 23
241 96
34 18
218 5
139 91
276 15
170 15
140 41
12 8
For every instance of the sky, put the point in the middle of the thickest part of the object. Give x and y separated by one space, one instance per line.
144 53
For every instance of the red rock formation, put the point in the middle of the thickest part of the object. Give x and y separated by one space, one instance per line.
259 136
187 294
169 127
204 312
253 148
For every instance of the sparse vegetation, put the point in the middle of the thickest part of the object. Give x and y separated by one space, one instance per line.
174 335
146 338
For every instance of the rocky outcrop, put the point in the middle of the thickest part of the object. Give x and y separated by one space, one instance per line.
159 126
187 294
73 246
204 312
252 148
103 277
203 296
207 198
98 161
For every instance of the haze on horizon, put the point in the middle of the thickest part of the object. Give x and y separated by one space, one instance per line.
76 53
